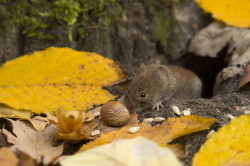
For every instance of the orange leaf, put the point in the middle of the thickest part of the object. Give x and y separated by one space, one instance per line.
7 157
162 134
244 83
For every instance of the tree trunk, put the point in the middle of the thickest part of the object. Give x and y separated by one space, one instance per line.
130 32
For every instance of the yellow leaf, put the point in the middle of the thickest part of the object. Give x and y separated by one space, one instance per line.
6 111
70 121
229 146
135 152
232 12
57 78
161 134
72 127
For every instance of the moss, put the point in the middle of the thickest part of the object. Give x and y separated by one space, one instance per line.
36 17
26 16
97 14
164 26
37 20
161 28
66 12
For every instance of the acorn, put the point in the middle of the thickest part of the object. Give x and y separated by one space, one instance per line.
115 114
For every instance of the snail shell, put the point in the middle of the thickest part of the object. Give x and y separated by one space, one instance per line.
114 113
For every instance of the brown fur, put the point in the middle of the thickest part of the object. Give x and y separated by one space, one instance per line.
160 82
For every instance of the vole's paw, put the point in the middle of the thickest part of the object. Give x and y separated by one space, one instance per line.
158 105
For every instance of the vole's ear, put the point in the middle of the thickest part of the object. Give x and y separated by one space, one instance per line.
142 67
161 72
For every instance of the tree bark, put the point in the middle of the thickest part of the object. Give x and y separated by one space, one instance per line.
129 32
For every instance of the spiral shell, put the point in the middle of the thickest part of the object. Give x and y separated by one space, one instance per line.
114 113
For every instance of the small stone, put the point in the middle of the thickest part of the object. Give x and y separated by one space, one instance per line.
159 119
133 130
231 117
209 134
97 114
176 110
148 120
95 132
186 112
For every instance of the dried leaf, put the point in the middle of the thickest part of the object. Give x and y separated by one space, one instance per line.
25 159
232 12
135 152
162 134
84 132
6 111
70 121
229 146
3 140
212 39
39 123
89 116
52 118
87 129
57 78
72 127
244 83
36 144
7 157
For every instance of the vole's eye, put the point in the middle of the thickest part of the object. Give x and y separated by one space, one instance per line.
143 94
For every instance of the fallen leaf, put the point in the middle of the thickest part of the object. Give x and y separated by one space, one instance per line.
244 83
232 12
211 40
70 121
7 157
52 118
3 140
87 129
89 116
36 144
229 146
135 152
84 128
72 127
39 123
162 134
6 111
57 78
25 159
